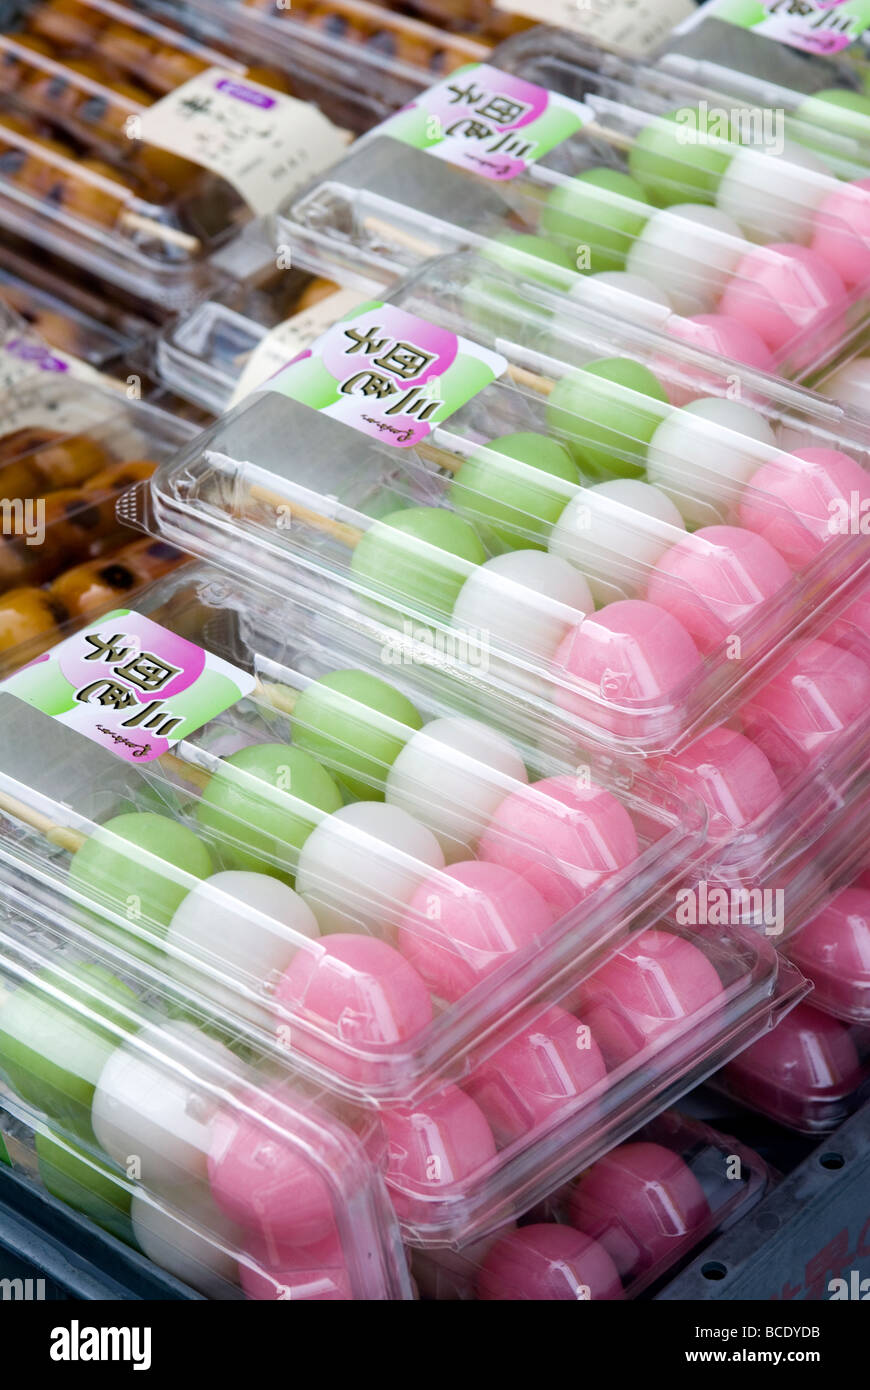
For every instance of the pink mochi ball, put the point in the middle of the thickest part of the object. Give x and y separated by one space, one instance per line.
464 922
317 1274
553 1063
547 1262
833 950
264 1182
732 777
563 837
434 1145
783 292
807 1061
712 580
842 231
630 653
808 707
648 994
713 333
362 991
801 501
643 1204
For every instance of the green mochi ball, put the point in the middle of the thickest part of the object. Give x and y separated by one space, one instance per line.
597 412
130 880
419 557
264 831
681 157
51 1054
592 212
348 720
511 499
86 1184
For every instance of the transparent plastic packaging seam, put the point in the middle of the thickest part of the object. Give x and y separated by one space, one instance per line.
365 64
627 839
68 450
624 1225
465 1159
774 275
717 461
809 1074
71 177
220 1169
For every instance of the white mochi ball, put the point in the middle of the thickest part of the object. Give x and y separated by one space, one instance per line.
149 1116
628 296
774 196
452 774
361 866
245 926
195 1242
689 251
525 600
701 455
624 519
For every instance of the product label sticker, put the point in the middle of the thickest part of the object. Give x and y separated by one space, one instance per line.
816 26
389 374
634 27
286 340
130 685
264 143
487 121
21 356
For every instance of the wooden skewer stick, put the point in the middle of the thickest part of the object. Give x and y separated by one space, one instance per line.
173 236
62 835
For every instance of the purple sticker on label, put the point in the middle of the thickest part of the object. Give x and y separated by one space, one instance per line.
242 93
130 685
37 353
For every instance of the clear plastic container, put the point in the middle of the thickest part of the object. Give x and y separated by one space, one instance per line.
832 951
581 1075
759 257
77 174
241 335
449 877
68 452
356 60
687 627
68 318
796 103
236 1179
627 1222
809 1073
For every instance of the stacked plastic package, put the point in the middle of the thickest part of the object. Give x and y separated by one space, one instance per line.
418 781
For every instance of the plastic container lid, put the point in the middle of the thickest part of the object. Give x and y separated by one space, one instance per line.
68 452
832 951
628 1221
758 253
491 877
87 171
437 547
237 1181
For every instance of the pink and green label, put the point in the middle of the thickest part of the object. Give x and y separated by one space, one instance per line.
487 121
389 374
130 685
816 26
